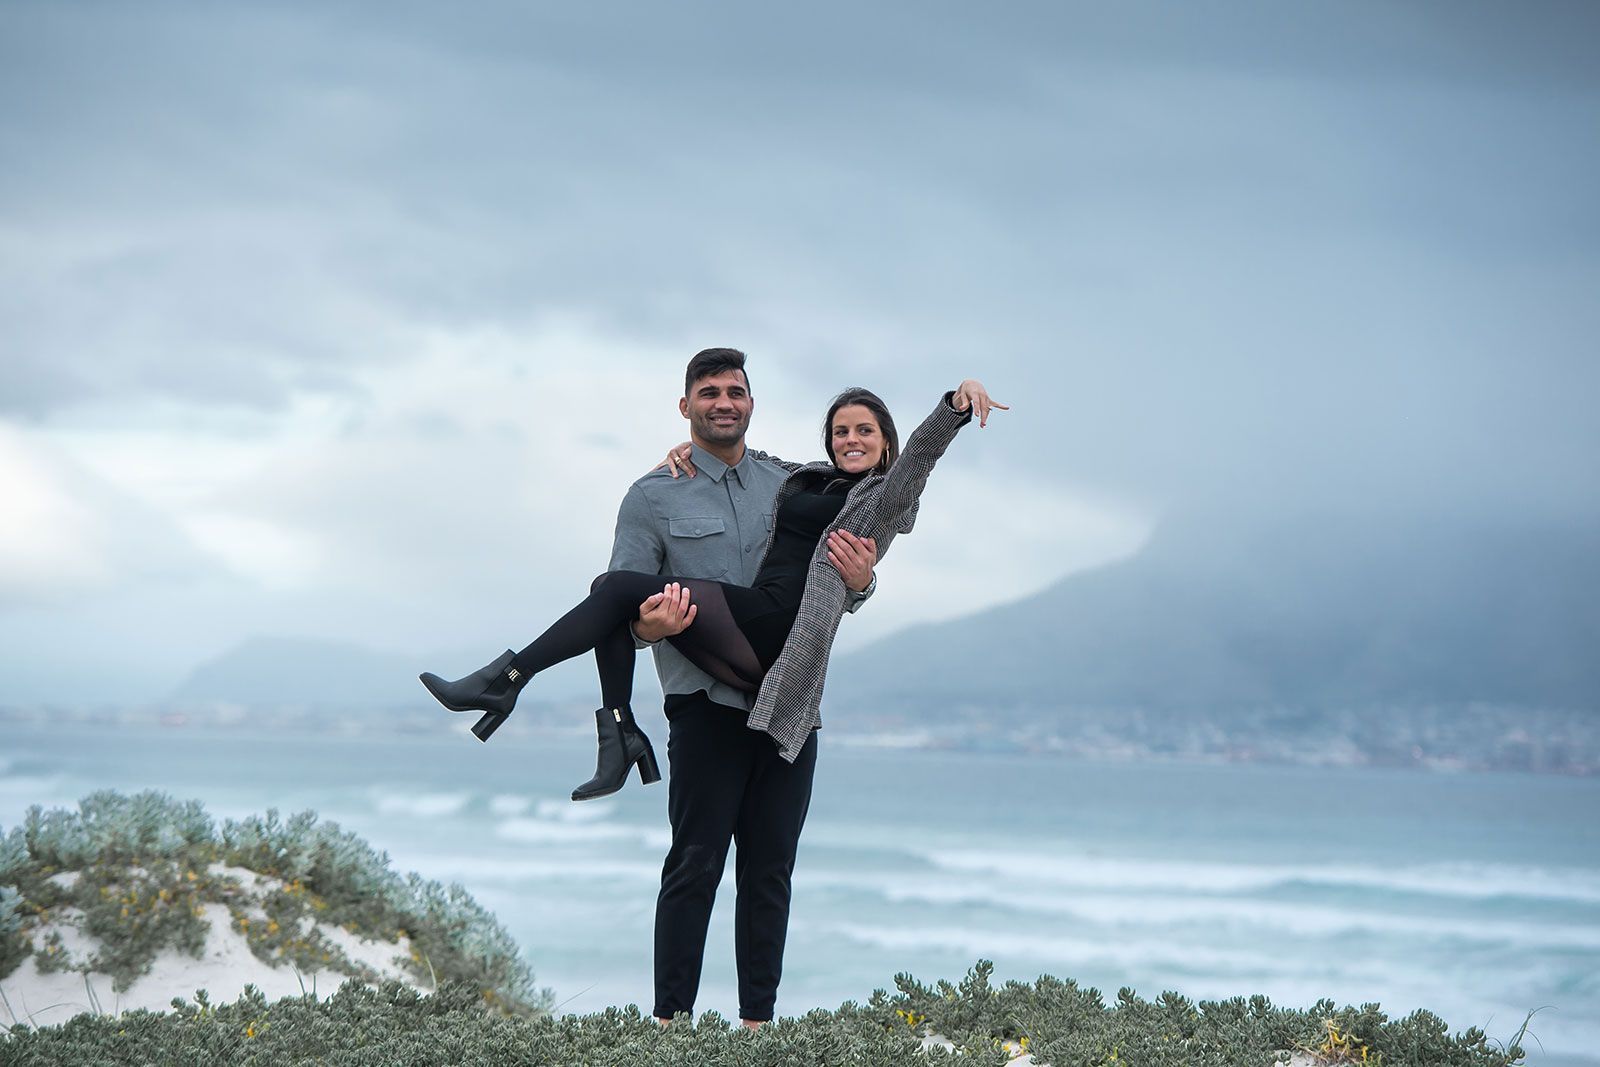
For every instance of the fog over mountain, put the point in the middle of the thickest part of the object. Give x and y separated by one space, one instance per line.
1312 613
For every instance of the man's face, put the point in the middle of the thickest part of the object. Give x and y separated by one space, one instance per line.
718 408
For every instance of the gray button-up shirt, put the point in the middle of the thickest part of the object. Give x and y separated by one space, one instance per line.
715 526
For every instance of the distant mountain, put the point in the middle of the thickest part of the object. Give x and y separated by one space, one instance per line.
291 673
300 672
1300 614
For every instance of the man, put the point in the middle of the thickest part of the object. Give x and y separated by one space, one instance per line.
728 782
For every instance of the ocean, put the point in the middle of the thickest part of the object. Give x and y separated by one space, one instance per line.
1476 896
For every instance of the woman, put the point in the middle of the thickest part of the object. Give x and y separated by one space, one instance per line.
772 638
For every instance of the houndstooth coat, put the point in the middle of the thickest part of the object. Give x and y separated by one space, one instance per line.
878 506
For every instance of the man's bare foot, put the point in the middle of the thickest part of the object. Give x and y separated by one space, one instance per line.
751 1024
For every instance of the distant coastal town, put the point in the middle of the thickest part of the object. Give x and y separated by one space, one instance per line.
1476 737
1444 738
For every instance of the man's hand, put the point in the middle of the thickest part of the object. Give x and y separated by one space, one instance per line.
854 557
665 613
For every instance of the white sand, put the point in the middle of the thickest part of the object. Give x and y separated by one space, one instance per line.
223 970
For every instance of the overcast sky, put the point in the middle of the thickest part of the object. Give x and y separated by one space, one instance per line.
355 321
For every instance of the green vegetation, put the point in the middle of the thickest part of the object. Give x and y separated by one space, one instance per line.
135 874
1059 1023
14 947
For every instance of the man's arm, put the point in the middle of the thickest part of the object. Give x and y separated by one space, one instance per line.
637 546
680 460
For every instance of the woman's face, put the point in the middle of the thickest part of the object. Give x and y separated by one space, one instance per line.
857 439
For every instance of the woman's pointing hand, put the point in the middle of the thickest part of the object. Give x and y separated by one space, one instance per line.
972 394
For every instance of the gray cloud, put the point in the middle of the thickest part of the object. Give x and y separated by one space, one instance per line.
1249 258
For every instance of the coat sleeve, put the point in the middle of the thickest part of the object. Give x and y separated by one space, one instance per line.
903 485
768 457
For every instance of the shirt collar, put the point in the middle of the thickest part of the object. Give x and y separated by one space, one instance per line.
714 468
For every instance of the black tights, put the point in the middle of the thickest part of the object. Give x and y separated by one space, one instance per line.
714 642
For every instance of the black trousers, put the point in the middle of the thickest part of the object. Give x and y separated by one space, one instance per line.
728 783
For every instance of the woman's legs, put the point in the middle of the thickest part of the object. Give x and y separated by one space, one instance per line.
714 642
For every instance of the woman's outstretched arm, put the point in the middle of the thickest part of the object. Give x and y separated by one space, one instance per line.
904 483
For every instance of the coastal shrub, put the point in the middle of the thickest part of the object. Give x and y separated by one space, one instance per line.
165 862
136 872
13 862
348 873
13 946
110 828
1064 1025
456 936
353 886
1060 1023
13 856
135 912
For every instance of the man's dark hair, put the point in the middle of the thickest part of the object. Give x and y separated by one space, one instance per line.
711 361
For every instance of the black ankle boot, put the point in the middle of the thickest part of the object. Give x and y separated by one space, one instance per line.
622 744
492 689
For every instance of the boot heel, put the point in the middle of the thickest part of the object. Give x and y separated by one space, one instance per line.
649 773
485 727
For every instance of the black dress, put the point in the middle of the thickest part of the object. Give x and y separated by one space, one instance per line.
765 611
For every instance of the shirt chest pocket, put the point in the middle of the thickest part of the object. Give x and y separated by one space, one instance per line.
697 549
695 528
